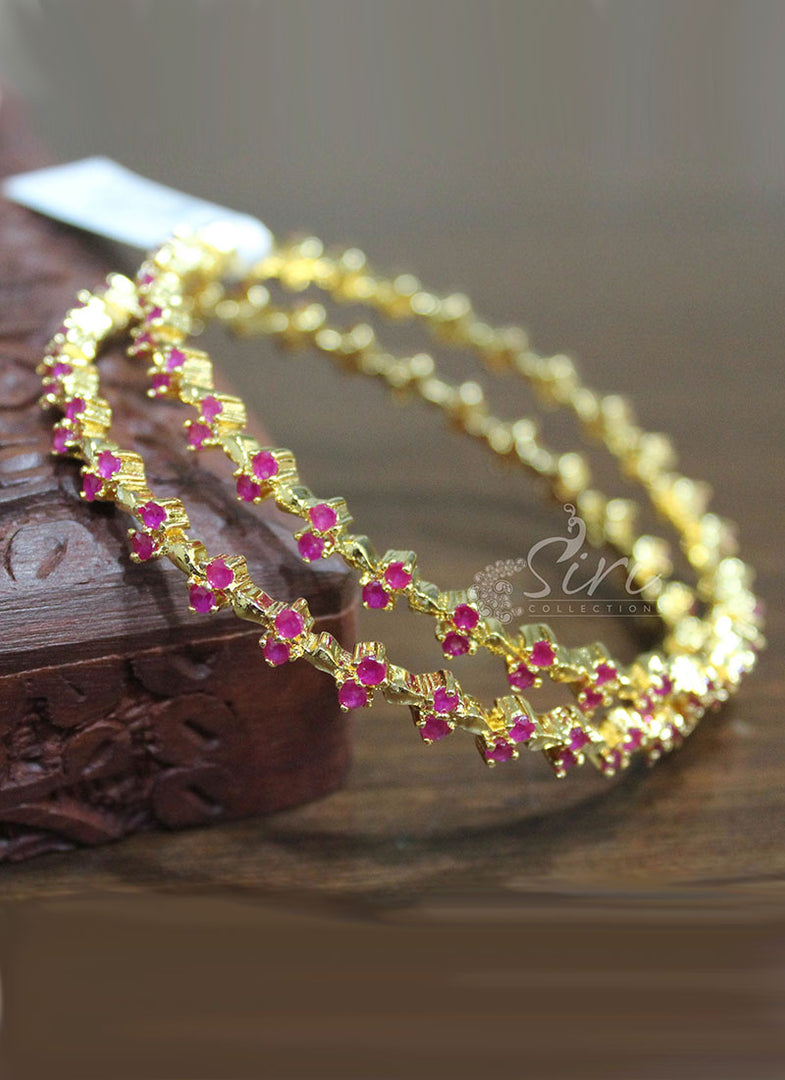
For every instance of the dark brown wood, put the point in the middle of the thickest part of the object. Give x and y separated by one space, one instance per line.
119 710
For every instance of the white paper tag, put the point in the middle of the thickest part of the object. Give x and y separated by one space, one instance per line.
98 194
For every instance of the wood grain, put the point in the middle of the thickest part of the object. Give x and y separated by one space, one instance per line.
120 710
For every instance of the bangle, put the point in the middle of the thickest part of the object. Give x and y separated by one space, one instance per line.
649 705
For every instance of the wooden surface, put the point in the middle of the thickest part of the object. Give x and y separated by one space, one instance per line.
119 709
435 918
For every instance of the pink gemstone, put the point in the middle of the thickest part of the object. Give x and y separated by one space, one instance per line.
289 623
211 407
612 761
666 686
522 730
74 407
455 644
247 490
578 739
197 433
322 517
375 595
264 465
371 672
605 673
542 654
311 547
465 617
91 486
108 464
60 369
521 677
152 515
202 599
143 546
434 728
60 438
153 313
591 698
218 574
175 360
397 576
142 342
566 760
161 382
444 702
276 652
634 739
352 696
500 751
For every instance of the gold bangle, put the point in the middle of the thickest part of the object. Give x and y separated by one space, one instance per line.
651 704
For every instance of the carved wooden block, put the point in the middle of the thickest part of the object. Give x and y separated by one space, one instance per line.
120 710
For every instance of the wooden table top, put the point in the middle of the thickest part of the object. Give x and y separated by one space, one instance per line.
511 910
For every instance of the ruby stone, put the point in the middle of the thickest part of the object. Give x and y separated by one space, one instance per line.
60 440
375 595
289 623
352 696
211 407
521 677
197 433
465 617
499 752
276 652
91 486
264 465
322 517
310 546
218 574
161 382
605 673
434 728
247 490
397 576
634 739
591 698
108 464
143 546
202 599
542 654
521 730
444 702
371 672
455 644
152 515
578 739
566 760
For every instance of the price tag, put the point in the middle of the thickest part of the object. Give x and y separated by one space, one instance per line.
99 195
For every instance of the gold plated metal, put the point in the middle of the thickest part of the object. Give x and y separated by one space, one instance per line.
648 706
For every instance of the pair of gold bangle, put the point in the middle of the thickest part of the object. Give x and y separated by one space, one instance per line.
714 631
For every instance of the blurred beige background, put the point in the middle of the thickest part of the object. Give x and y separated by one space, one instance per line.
354 116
